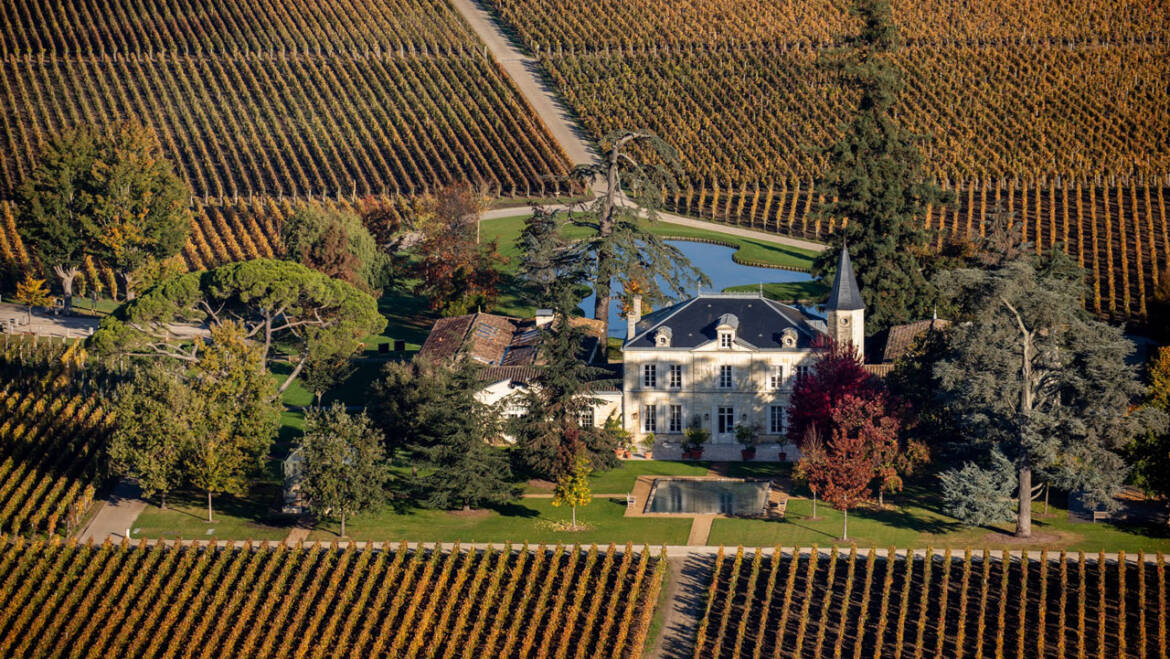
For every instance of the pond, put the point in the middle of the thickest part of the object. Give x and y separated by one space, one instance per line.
727 496
715 261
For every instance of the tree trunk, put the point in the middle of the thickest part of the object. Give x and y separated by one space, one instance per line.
209 519
67 274
814 505
845 526
602 286
293 376
127 285
28 309
162 501
881 498
1024 518
343 525
574 518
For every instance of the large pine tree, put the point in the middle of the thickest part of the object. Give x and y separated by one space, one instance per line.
877 182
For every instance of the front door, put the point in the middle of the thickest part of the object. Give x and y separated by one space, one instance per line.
725 424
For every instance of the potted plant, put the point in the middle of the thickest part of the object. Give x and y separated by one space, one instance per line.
621 438
648 445
748 435
695 436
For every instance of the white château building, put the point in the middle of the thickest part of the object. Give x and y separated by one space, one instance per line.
719 360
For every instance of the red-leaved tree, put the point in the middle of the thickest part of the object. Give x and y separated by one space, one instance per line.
837 373
842 469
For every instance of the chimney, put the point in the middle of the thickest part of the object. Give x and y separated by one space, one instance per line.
633 317
543 317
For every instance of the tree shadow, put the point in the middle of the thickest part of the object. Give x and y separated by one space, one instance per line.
514 510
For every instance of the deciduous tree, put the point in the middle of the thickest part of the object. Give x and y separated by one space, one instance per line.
877 181
336 243
343 463
153 424
1150 454
845 471
573 487
31 292
836 373
235 414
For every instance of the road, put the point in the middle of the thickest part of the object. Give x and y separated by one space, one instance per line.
566 129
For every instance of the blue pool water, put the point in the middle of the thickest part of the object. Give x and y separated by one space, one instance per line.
715 261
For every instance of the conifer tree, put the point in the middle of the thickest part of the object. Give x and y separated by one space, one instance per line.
877 182
621 244
1033 377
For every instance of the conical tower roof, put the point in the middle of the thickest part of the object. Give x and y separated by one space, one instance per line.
846 295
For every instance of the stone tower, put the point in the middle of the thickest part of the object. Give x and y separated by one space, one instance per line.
845 315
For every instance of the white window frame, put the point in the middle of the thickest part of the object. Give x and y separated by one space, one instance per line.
674 419
802 371
585 419
776 377
726 376
649 418
777 418
725 420
674 376
649 376
726 339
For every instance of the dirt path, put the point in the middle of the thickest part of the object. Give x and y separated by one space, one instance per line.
686 591
117 515
566 129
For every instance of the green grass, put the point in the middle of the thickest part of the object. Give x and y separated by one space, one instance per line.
236 518
505 231
620 480
917 522
526 521
804 291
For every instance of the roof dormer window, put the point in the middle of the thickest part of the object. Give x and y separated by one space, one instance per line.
726 328
788 338
662 337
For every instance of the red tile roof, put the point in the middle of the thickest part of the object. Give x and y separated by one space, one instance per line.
496 340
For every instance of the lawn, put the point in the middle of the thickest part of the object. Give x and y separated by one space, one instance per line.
235 518
749 251
529 520
804 291
621 480
917 522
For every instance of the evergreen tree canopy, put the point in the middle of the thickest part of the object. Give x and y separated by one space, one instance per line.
430 413
1031 376
550 434
293 312
877 182
622 246
544 259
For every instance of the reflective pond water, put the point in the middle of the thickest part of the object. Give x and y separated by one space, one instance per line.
729 497
715 261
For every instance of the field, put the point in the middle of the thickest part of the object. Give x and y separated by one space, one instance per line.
314 98
280 601
843 604
51 436
1056 113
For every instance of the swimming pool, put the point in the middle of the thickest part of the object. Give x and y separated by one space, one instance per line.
727 496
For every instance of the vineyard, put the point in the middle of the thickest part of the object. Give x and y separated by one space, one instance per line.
279 601
848 605
51 436
1031 108
304 98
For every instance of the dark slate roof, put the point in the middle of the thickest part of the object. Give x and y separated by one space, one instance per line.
693 322
846 296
